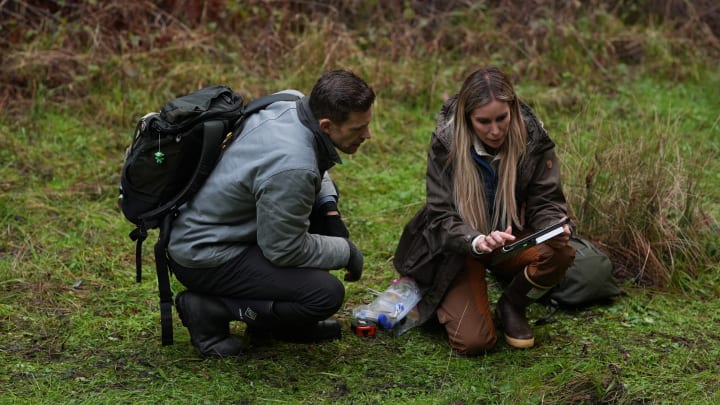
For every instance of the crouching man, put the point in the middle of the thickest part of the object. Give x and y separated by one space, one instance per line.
257 241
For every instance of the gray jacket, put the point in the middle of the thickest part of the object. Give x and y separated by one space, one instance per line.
262 192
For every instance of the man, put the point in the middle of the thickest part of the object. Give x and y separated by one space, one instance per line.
258 239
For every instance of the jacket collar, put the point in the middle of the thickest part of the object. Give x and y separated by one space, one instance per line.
480 150
326 153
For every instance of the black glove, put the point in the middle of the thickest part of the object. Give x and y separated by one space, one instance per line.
330 225
355 263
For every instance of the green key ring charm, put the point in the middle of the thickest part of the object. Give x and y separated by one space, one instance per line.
159 157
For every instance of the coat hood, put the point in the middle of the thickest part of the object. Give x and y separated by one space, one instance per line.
538 140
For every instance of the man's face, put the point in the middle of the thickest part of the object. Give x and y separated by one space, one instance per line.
348 136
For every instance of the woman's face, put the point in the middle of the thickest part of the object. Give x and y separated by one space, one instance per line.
490 123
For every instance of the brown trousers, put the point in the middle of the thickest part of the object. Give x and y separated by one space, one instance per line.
465 309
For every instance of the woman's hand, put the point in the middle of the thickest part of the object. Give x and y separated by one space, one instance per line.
567 232
494 240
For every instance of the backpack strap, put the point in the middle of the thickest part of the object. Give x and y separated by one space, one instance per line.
163 275
257 105
138 235
262 102
213 135
163 272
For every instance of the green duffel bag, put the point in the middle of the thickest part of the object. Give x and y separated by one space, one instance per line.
590 278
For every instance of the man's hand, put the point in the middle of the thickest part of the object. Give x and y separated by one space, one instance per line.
567 232
355 263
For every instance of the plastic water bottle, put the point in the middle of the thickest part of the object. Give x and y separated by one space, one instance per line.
411 320
392 305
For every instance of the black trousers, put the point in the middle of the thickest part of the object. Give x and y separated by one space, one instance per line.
299 295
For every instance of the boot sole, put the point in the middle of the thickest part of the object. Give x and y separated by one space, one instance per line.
514 342
520 343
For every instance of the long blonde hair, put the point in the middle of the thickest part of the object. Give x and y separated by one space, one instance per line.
478 89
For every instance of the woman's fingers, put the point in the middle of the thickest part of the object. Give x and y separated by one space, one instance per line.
498 238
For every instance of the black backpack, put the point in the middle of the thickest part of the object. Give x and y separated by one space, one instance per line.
171 155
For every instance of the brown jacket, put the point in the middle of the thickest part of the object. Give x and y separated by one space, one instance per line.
435 242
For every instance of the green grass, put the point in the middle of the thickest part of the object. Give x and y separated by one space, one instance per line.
634 350
76 328
79 330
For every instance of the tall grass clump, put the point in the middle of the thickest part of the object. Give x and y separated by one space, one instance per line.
637 193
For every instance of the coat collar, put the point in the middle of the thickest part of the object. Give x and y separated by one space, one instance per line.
327 154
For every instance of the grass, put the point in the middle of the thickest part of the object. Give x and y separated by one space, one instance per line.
651 143
634 350
639 148
79 330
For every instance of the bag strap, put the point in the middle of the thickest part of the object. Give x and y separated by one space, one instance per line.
139 235
255 106
262 102
212 137
163 276
552 306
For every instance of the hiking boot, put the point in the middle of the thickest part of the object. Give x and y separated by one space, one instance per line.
510 310
263 324
208 322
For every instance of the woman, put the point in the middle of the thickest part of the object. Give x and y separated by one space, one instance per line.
492 176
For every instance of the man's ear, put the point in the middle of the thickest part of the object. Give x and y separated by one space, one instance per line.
325 124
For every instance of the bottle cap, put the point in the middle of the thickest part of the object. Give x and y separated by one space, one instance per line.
384 321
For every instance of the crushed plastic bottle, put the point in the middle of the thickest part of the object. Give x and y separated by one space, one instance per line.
392 305
411 320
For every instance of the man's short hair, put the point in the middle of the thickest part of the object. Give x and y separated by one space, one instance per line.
337 93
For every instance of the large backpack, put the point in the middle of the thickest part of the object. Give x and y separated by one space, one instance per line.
172 154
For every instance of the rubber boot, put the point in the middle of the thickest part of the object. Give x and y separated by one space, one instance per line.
511 307
264 324
208 322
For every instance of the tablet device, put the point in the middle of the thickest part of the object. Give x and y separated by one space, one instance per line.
536 238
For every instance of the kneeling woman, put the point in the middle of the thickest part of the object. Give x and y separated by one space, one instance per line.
492 176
